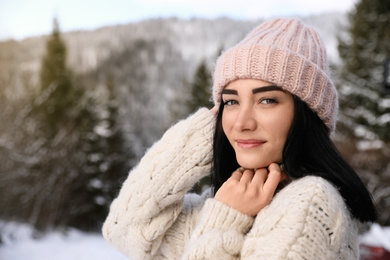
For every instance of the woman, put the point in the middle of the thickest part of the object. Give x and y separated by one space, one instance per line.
280 188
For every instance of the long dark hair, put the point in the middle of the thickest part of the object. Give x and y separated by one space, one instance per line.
308 151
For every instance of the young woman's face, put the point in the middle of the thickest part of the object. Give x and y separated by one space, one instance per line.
256 119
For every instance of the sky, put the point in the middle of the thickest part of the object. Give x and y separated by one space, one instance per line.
25 18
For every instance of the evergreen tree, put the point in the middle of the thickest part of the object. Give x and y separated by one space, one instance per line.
53 186
364 51
107 165
88 155
119 156
364 122
65 115
53 67
56 81
201 88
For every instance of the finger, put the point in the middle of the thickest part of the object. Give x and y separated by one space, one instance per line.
247 176
274 166
260 176
241 169
236 175
274 177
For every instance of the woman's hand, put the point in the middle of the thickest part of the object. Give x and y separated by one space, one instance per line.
248 191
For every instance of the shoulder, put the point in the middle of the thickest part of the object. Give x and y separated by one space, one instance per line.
312 188
310 211
313 198
305 194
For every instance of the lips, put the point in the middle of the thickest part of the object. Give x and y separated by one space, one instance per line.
249 143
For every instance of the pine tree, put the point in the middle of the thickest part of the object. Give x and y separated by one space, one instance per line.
64 114
364 123
364 51
107 164
119 156
201 88
57 87
89 156
53 67
52 186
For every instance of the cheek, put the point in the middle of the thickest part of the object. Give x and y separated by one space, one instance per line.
288 120
275 126
226 125
279 127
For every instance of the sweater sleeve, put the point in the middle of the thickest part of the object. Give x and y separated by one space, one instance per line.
219 234
308 219
151 198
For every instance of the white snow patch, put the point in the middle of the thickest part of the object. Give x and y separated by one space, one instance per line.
18 244
369 145
362 131
384 103
384 119
377 236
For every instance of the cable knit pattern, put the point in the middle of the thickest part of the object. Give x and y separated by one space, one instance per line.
154 218
152 196
308 219
219 234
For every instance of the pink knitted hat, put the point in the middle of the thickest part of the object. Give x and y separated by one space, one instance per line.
289 54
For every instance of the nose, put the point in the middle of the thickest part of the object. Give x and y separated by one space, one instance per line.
245 120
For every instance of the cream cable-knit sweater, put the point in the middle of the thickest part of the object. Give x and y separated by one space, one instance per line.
154 218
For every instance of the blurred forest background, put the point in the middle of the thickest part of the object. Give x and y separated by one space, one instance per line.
79 109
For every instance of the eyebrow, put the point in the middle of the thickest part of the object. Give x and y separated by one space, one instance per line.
254 91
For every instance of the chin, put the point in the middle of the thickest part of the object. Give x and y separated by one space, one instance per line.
255 163
252 165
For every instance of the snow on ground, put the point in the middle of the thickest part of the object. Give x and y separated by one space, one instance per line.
17 243
377 236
